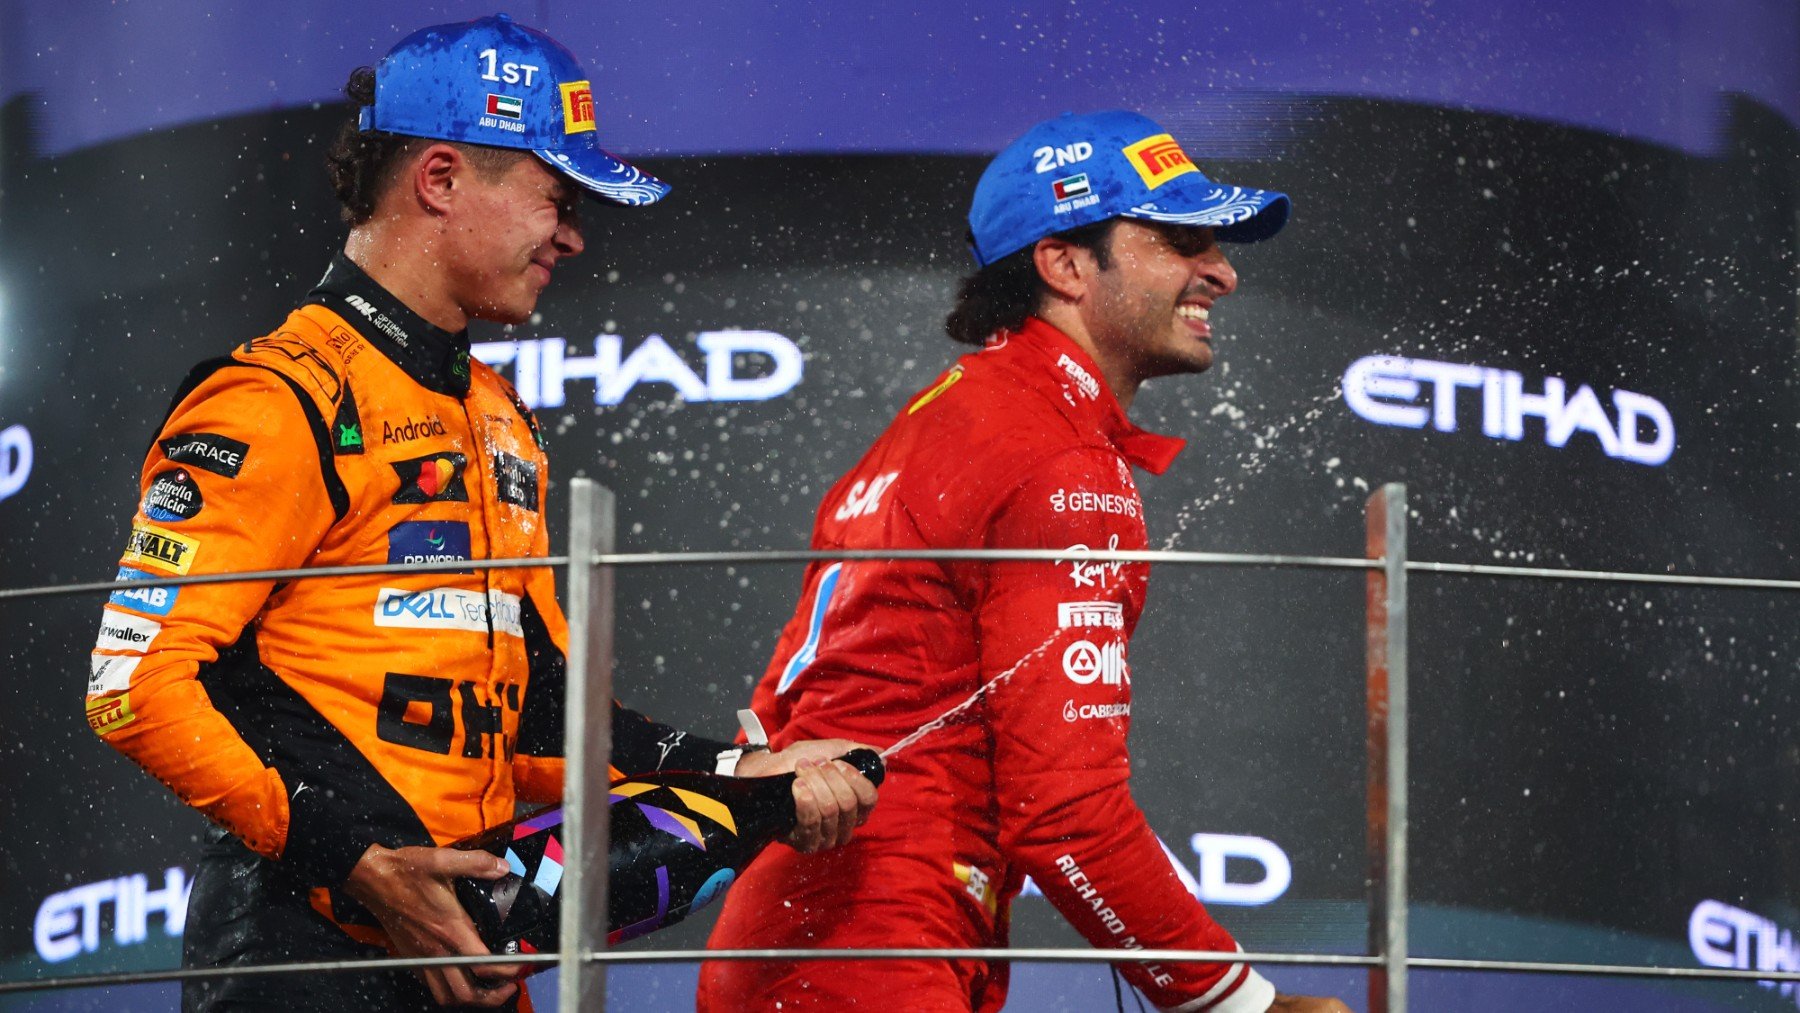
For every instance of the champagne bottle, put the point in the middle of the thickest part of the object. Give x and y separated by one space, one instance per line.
679 839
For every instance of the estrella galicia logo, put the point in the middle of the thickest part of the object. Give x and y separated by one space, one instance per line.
220 455
517 479
432 479
155 600
173 497
429 542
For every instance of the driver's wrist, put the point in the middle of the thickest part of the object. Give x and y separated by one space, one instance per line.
732 761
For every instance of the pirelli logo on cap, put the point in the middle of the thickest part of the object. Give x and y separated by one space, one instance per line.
110 714
578 107
153 546
1159 159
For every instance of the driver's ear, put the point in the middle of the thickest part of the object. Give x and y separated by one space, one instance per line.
434 175
1067 269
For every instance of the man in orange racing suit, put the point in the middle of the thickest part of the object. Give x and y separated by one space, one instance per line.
1095 277
338 729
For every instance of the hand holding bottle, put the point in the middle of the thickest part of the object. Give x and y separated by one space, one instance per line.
831 798
678 840
412 892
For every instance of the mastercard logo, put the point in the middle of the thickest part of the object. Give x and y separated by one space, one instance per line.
435 475
434 478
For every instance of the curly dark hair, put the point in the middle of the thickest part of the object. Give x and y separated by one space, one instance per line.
362 164
1001 295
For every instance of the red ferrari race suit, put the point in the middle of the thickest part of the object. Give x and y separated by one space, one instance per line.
312 718
1016 446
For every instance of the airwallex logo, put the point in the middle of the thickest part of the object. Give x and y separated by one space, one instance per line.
1412 393
739 366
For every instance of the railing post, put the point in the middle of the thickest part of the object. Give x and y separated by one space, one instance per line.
1386 743
587 748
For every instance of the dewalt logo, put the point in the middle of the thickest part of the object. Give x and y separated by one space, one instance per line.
152 546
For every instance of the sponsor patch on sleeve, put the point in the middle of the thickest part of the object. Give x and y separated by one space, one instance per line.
220 455
110 673
173 497
110 714
122 631
154 600
150 545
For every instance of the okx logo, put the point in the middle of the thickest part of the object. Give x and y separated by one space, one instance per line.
432 479
429 542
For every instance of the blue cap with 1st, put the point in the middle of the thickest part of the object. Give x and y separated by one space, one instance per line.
501 84
1076 170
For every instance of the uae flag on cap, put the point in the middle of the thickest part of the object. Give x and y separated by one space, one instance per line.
504 105
1070 186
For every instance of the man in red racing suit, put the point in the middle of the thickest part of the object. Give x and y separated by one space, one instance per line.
1022 445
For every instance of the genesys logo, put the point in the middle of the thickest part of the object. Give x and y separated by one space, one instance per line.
69 922
450 608
542 368
429 542
1412 393
1725 936
15 459
1080 501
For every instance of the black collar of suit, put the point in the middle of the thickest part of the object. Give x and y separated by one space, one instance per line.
436 358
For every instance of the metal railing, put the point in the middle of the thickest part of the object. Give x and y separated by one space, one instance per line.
590 562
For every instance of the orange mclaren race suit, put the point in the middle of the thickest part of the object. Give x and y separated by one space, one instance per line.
1016 446
313 718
